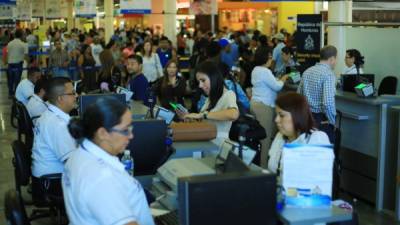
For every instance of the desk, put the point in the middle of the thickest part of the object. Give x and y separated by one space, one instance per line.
367 147
138 110
309 216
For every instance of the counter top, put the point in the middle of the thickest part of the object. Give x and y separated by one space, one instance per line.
379 100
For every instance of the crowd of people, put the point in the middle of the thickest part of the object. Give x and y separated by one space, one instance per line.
231 73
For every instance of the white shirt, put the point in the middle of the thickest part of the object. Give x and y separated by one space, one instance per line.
265 86
316 137
227 101
16 51
35 107
25 89
352 70
152 68
52 142
96 50
98 190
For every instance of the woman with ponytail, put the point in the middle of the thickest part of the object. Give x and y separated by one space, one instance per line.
354 62
97 189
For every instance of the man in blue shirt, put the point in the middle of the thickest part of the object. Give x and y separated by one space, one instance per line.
318 86
138 83
277 60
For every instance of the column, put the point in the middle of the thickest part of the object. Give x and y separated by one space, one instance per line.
108 19
170 20
70 17
339 11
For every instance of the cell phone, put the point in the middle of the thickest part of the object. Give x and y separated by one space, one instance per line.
177 106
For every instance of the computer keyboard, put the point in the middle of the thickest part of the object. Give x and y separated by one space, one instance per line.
170 218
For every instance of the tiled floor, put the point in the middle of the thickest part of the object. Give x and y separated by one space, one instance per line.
368 216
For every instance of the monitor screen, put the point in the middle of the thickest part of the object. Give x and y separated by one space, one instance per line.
86 100
164 114
349 81
232 198
148 148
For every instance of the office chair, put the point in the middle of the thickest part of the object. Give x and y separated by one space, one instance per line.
22 175
14 209
14 114
388 86
25 125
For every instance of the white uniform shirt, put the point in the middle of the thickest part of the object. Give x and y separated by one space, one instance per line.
316 137
25 89
265 86
227 101
352 70
16 51
35 106
98 190
52 142
152 68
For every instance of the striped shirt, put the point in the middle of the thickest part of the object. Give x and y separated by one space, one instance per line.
318 86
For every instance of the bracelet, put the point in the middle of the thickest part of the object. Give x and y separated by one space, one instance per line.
205 114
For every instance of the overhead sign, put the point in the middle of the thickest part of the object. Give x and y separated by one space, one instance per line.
8 2
24 10
203 7
135 6
85 8
308 39
6 11
53 9
38 8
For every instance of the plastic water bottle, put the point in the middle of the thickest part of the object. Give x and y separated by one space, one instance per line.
127 160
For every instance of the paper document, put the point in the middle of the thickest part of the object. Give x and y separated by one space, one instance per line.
307 170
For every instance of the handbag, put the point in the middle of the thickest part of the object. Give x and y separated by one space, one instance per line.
193 131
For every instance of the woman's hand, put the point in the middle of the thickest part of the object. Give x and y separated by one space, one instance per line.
181 114
193 116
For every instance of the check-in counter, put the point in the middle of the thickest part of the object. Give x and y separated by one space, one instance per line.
369 147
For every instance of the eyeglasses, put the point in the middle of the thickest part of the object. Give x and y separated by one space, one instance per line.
126 132
73 93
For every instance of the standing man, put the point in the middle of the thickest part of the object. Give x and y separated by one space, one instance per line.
17 51
277 60
59 60
318 86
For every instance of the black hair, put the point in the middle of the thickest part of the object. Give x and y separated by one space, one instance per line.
18 33
164 38
358 58
328 52
84 48
263 39
110 44
40 84
216 81
33 70
105 112
56 87
213 49
261 56
287 50
138 58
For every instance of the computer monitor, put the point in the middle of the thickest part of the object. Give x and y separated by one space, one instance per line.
349 81
86 100
148 148
231 198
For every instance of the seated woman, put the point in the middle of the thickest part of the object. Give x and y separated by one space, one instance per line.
354 62
295 124
97 188
170 88
220 107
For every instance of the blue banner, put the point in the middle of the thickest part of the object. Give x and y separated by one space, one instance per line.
8 2
135 11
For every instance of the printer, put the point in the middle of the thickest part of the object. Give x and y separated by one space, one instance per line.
166 185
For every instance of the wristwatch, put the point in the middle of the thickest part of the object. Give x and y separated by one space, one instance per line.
205 114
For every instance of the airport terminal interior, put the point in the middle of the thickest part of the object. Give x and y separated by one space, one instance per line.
164 112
